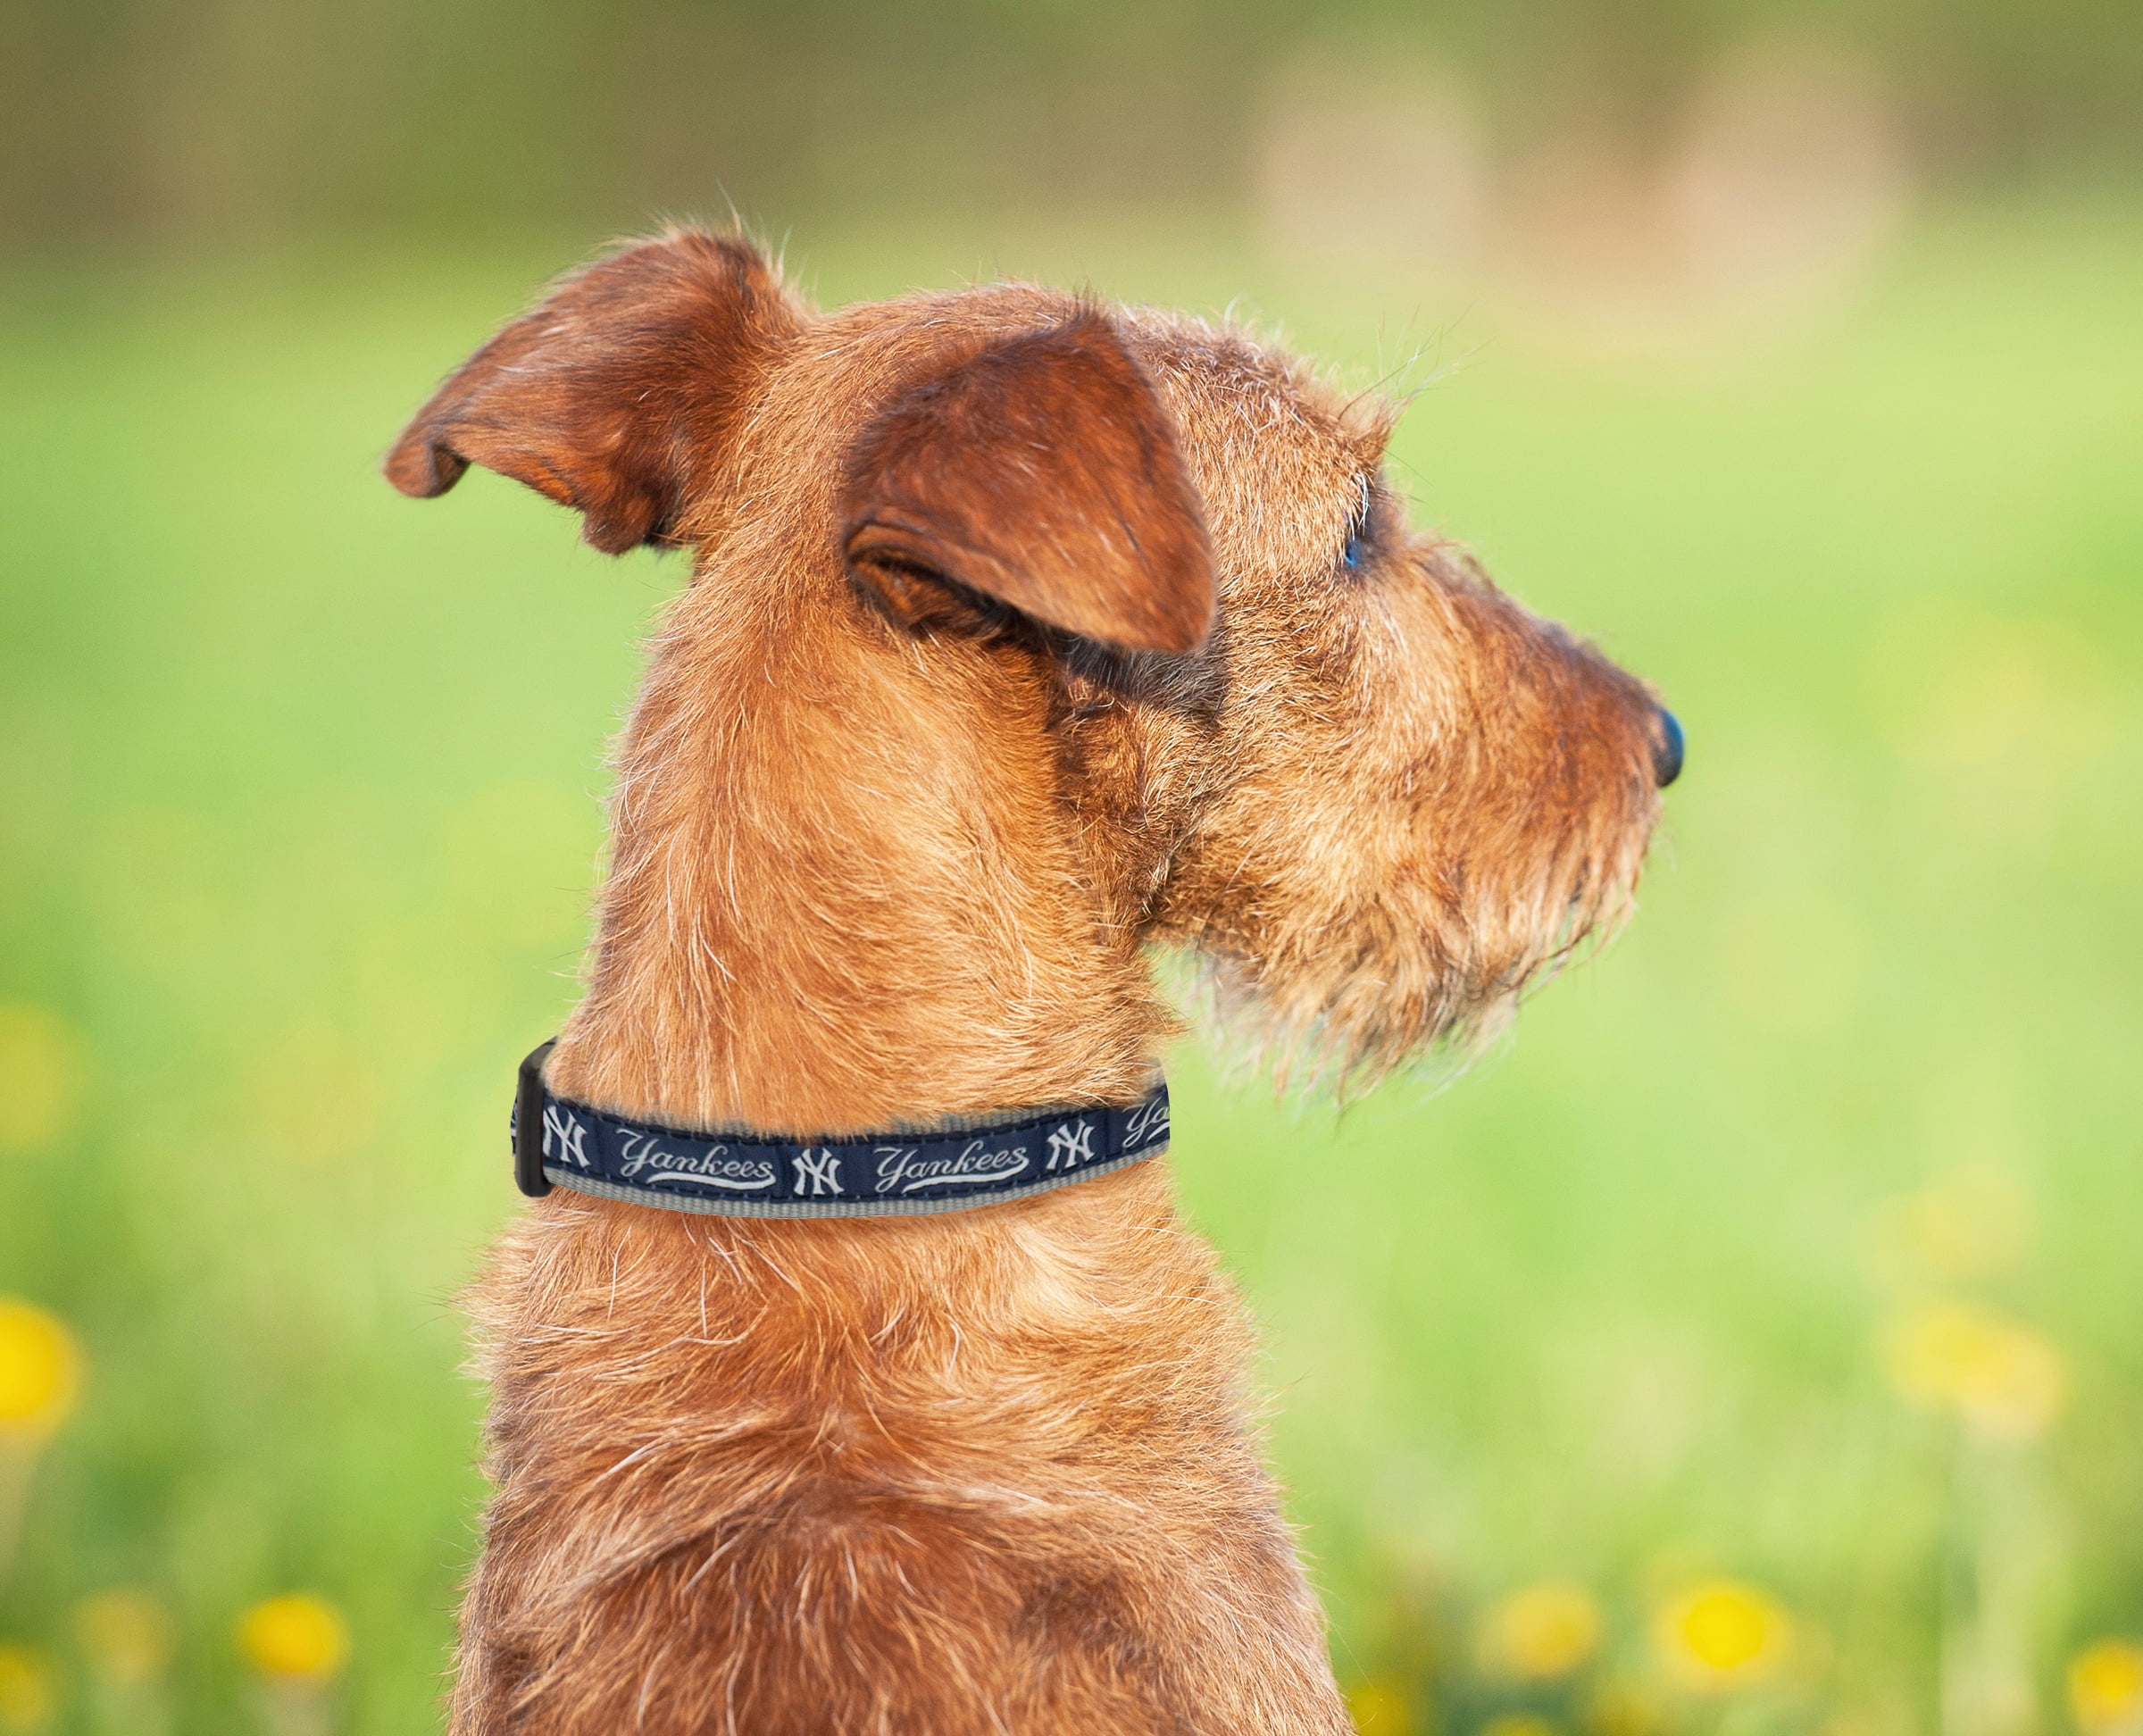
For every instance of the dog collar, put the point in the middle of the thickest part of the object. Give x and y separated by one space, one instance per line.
939 1168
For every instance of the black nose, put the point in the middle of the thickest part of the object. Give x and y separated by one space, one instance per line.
1666 756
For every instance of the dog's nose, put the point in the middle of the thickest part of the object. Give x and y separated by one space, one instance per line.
1666 753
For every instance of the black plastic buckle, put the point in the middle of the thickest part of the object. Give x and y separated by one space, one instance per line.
528 1125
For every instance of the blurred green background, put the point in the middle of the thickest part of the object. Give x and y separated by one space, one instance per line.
1754 1344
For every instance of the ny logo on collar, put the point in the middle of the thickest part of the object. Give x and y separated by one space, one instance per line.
558 1143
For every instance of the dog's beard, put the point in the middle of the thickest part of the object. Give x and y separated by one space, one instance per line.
1334 1009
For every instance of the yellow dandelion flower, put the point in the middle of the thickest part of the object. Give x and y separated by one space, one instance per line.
28 1694
1381 1706
2106 1687
1541 1631
125 1633
1518 1723
1971 1222
319 1096
40 1371
40 1077
1621 1709
296 1637
1723 1634
2002 1379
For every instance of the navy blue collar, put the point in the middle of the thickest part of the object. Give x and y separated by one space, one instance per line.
557 1143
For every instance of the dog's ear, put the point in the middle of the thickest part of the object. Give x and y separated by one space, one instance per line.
1041 470
616 394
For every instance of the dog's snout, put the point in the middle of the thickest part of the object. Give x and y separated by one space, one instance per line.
1668 749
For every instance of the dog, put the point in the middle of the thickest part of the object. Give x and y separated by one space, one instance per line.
1025 637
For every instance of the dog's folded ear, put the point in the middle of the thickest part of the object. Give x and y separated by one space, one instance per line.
1041 470
615 393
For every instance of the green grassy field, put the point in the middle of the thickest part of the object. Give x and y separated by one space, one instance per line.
298 815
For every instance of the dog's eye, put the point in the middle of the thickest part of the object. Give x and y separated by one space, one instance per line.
1358 550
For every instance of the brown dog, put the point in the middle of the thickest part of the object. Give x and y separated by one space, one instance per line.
1023 636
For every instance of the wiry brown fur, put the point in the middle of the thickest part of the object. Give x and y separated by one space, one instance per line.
1019 640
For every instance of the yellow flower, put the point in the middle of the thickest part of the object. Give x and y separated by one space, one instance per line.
1541 1631
29 1697
2106 1687
1969 1223
296 1637
125 1633
318 1095
41 1371
1381 1706
1723 1634
1619 1708
40 1077
2003 1379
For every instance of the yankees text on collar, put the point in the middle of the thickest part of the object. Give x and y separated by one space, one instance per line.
559 1143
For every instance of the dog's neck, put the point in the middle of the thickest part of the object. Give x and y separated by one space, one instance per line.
844 893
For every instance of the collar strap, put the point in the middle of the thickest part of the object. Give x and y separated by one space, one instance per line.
937 1168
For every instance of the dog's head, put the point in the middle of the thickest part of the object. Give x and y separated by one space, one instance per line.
1024 633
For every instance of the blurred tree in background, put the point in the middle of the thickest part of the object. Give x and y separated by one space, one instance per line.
145 120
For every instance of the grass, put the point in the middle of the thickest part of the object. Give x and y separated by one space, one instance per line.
297 818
